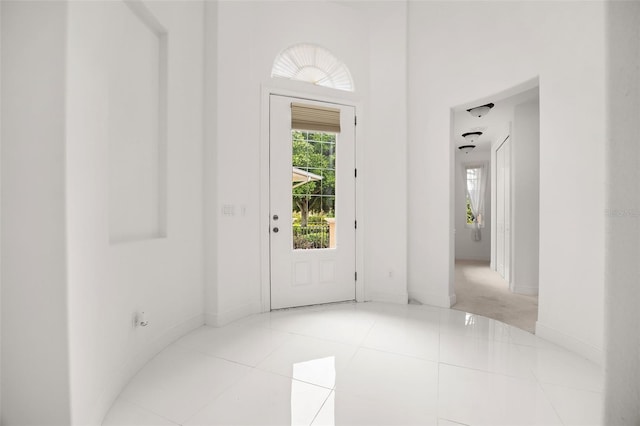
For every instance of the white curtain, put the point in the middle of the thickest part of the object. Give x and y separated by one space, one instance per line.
476 183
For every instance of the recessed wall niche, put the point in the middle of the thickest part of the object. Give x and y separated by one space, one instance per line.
137 125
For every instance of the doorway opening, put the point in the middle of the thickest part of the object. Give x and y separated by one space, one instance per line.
497 206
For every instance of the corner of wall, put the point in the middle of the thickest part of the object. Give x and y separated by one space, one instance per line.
376 296
0 217
34 275
432 299
528 290
622 216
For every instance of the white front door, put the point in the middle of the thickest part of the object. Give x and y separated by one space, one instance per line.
312 205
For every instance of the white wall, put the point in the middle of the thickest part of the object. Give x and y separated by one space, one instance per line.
525 170
210 162
563 44
384 156
109 281
35 338
466 247
69 294
0 219
622 216
250 35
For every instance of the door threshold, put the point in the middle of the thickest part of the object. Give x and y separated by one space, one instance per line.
343 302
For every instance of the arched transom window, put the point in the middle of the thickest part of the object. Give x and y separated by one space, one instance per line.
313 64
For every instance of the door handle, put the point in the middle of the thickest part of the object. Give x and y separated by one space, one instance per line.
275 229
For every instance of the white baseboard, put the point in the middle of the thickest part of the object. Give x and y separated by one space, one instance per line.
567 341
377 296
452 299
474 258
426 298
132 366
528 290
223 318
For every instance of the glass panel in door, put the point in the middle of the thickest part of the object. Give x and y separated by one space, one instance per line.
313 189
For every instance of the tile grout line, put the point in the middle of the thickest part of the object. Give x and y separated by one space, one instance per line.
321 407
141 407
227 388
553 406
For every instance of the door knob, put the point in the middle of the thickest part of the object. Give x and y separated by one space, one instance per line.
275 217
275 229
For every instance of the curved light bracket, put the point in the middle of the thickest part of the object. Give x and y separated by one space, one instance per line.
471 137
466 148
481 110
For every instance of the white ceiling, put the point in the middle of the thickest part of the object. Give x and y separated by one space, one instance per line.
493 124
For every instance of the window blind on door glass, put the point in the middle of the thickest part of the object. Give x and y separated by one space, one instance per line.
311 117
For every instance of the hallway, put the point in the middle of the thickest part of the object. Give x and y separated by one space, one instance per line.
482 291
367 363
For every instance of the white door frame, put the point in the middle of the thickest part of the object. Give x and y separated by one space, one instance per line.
265 190
506 134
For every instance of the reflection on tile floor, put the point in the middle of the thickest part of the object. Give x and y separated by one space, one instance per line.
362 364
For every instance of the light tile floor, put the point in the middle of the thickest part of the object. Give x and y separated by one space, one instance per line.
362 364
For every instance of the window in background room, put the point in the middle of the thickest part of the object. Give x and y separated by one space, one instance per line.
476 177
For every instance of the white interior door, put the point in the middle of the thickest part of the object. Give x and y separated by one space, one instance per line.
312 206
507 210
503 209
500 210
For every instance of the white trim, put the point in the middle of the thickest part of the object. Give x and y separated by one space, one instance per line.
528 290
301 90
264 220
494 203
567 341
475 258
223 318
451 226
360 218
432 299
377 296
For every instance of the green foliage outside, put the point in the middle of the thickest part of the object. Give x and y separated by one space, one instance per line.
470 216
313 201
318 238
315 153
